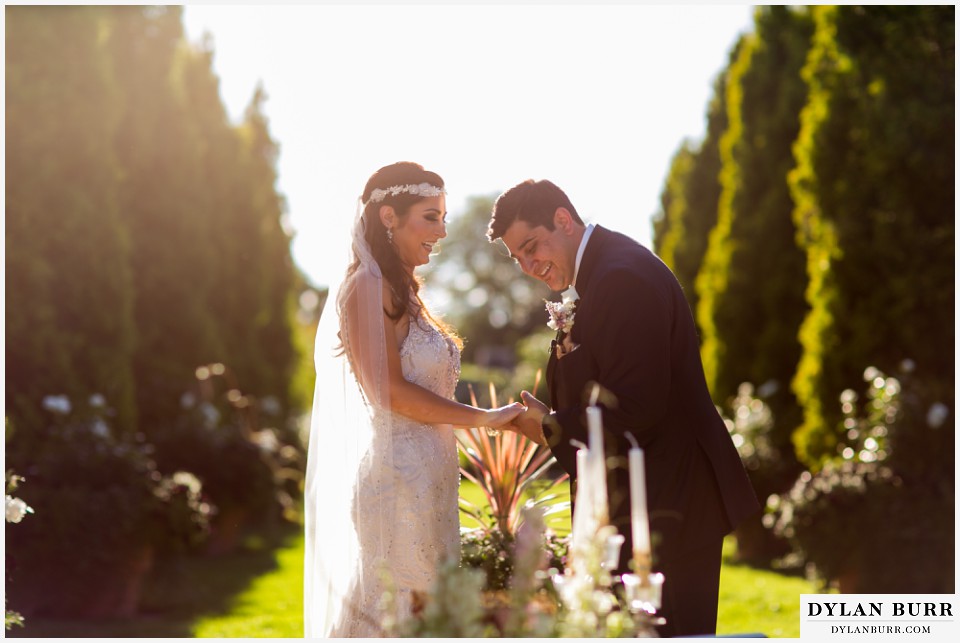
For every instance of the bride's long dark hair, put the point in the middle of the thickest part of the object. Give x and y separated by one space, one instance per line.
404 285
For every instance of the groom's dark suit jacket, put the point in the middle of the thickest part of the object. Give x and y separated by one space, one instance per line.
637 339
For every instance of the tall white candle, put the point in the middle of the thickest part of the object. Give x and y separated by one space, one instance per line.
583 511
597 465
595 429
639 522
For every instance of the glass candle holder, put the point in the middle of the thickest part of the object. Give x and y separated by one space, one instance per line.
643 596
611 551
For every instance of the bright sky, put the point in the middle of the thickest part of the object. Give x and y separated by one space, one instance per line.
595 98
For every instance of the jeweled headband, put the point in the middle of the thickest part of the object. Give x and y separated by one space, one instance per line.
419 189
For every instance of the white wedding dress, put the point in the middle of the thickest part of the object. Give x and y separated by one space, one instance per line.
422 487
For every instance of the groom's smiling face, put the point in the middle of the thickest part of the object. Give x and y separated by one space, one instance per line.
547 255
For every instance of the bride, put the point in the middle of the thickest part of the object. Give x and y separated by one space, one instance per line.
382 468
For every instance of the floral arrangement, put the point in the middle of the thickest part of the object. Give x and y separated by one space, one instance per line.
536 601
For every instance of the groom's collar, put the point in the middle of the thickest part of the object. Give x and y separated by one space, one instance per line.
591 256
580 250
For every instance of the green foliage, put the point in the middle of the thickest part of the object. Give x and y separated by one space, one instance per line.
831 516
144 237
494 552
135 211
160 143
11 619
69 323
881 512
769 463
511 586
255 276
250 472
874 193
751 283
102 510
509 469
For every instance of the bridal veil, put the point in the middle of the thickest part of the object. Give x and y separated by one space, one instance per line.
349 442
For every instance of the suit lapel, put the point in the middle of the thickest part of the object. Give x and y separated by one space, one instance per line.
590 259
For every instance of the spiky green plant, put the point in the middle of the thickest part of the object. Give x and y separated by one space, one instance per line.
505 467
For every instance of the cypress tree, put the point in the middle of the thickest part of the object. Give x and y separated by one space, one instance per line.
273 324
874 192
690 197
69 292
163 200
752 283
752 280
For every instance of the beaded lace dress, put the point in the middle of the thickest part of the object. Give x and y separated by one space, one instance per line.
422 486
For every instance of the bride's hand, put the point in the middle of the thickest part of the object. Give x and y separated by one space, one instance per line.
499 417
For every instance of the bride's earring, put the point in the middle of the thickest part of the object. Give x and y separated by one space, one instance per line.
389 235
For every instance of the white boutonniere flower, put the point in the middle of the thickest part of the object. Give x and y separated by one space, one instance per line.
562 312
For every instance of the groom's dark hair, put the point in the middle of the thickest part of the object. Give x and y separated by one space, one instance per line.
534 202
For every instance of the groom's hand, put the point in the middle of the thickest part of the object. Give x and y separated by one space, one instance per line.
530 422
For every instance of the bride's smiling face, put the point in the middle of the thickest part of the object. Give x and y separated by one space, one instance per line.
416 234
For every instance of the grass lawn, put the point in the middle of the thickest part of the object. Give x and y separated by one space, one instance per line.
257 593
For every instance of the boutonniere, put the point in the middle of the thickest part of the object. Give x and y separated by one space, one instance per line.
562 312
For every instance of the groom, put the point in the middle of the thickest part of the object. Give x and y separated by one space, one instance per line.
632 333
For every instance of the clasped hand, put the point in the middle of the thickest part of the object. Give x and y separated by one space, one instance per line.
525 418
530 421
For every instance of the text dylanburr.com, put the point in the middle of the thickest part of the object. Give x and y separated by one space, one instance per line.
892 616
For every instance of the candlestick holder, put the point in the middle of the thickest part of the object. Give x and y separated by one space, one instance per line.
611 551
643 593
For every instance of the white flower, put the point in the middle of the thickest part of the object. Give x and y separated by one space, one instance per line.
17 509
562 312
97 401
100 429
266 440
270 404
211 416
187 479
768 388
57 404
937 414
188 400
